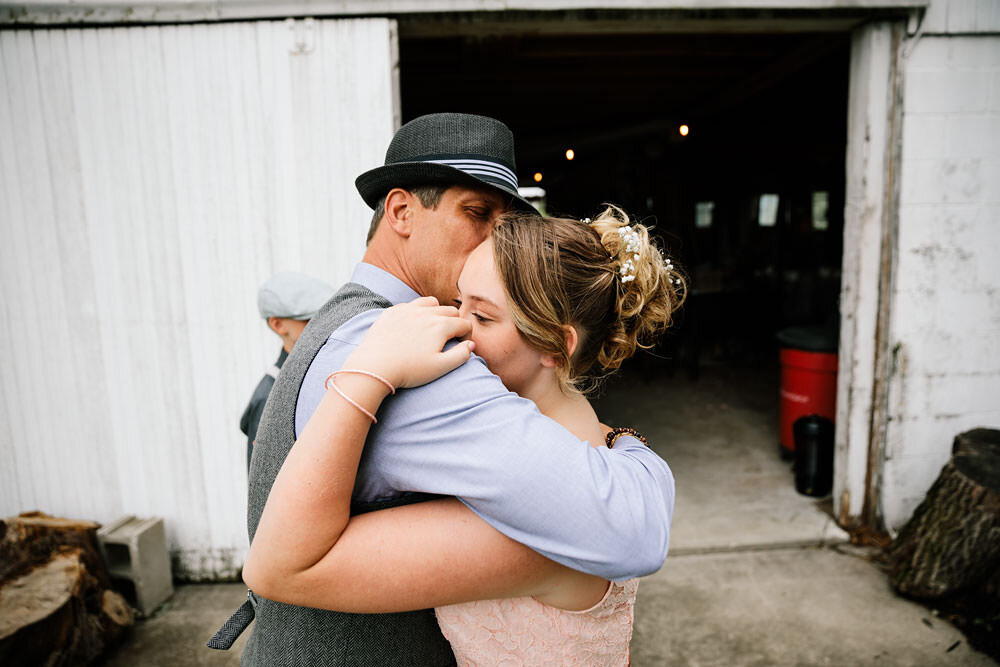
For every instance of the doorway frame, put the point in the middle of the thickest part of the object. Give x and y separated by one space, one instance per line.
871 208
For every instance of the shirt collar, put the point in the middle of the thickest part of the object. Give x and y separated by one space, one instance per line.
382 282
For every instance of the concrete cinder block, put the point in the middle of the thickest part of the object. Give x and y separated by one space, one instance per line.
995 90
923 135
947 91
905 481
943 181
136 552
966 358
971 135
919 182
930 53
991 175
984 238
974 51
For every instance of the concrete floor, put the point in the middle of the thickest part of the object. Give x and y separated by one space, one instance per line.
758 575
720 436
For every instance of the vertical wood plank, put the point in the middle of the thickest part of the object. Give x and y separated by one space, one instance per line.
22 180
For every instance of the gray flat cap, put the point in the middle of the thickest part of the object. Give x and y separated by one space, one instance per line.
292 295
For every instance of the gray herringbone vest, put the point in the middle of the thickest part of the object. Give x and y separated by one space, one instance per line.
286 635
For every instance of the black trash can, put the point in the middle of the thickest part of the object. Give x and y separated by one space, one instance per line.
813 455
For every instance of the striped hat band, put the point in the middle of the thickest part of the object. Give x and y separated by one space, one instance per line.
484 169
447 149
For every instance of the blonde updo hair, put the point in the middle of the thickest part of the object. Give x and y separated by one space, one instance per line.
559 271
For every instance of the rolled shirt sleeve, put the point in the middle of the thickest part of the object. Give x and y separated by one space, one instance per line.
602 511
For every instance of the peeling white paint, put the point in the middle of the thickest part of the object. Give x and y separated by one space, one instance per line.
867 145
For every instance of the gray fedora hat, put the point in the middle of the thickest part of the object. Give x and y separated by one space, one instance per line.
448 148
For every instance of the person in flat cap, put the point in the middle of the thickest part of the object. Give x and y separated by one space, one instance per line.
286 301
446 179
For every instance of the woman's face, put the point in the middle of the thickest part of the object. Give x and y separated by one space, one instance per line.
482 301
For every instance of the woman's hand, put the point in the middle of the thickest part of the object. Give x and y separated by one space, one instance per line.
405 343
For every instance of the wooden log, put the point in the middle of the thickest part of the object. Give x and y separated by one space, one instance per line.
30 539
952 541
43 617
55 604
116 615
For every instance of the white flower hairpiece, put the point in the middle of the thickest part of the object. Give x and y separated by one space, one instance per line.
669 266
631 239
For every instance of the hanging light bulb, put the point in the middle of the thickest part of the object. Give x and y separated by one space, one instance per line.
538 177
684 129
570 154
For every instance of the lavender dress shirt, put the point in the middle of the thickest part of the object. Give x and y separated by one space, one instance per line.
602 511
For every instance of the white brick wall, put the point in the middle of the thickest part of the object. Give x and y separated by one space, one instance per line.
945 317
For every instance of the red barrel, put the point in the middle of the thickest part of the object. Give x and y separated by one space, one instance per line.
808 380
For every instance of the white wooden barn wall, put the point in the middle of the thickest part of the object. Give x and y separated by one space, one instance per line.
150 179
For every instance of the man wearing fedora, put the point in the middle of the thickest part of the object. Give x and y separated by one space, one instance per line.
445 180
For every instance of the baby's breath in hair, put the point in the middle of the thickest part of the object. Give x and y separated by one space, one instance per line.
603 277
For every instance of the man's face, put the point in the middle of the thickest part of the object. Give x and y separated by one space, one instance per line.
295 328
442 238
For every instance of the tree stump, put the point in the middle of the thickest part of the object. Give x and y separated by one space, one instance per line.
31 538
952 541
56 607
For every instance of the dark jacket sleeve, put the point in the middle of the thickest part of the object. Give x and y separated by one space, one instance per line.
255 408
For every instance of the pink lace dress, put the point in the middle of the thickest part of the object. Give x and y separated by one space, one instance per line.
523 631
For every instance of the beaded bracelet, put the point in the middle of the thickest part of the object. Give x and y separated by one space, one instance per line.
616 433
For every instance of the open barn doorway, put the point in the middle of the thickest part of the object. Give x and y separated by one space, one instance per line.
733 147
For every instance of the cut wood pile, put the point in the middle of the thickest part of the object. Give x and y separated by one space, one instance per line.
56 602
948 554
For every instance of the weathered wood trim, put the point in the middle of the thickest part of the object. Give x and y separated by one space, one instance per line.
179 11
866 269
871 511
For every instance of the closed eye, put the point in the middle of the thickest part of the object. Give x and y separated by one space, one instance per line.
480 213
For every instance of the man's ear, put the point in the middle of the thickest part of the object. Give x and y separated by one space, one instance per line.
277 325
399 208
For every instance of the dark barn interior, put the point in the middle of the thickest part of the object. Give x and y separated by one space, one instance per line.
749 202
765 115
